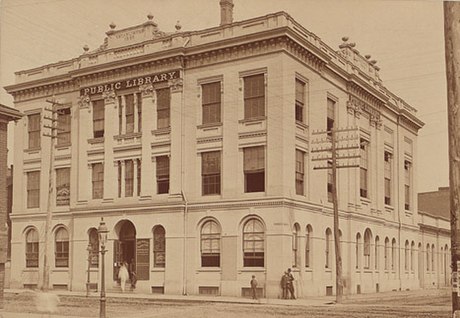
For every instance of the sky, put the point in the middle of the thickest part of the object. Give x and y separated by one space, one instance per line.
406 37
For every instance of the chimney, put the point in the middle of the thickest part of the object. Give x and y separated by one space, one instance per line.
226 11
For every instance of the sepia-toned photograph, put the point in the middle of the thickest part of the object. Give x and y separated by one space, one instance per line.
229 158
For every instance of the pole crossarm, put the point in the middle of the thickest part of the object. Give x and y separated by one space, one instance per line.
337 167
337 148
340 130
338 158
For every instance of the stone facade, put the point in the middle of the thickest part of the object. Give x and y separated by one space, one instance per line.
135 66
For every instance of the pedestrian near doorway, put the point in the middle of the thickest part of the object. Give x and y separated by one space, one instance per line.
290 283
284 285
123 275
254 287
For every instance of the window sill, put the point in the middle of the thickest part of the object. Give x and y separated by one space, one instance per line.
98 140
32 150
127 136
209 269
30 269
389 207
212 196
157 269
328 270
251 269
309 270
252 120
60 269
161 131
301 124
63 146
365 201
209 125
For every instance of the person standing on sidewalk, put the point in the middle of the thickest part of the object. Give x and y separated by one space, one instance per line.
290 283
123 276
284 285
254 287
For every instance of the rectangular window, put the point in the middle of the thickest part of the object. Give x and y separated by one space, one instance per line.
63 131
211 103
139 175
387 176
210 172
32 253
299 171
129 113
34 131
33 189
98 180
120 114
299 100
254 169
129 178
330 116
163 108
363 188
139 112
329 181
98 118
407 184
254 96
62 254
62 186
162 174
119 178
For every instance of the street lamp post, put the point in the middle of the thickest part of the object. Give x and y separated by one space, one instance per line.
102 231
89 249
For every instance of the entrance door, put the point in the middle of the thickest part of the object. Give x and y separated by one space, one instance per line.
125 248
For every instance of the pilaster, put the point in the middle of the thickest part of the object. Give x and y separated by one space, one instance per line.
84 133
110 130
176 131
148 113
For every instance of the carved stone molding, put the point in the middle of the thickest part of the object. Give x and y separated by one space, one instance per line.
176 85
84 101
109 96
147 90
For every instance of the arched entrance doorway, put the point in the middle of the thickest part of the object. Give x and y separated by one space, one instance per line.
125 247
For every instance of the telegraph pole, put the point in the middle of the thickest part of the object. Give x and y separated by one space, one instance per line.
452 49
52 126
331 163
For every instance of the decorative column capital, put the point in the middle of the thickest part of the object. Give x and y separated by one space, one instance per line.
176 85
109 96
84 101
147 90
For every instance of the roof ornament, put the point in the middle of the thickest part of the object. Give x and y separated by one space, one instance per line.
178 26
112 28
150 20
345 43
85 48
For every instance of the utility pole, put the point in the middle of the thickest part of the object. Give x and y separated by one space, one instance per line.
452 49
331 156
52 126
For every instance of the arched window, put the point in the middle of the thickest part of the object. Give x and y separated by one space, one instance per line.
94 251
62 248
377 253
159 247
387 253
210 244
308 252
253 244
406 255
428 258
295 246
32 248
367 248
393 254
357 250
412 256
328 248
433 255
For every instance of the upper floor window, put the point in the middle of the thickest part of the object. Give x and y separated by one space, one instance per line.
98 118
129 113
34 130
62 248
299 101
407 184
62 186
159 246
129 178
32 250
387 176
210 172
363 168
211 103
64 126
162 174
330 120
299 171
33 189
210 244
253 243
254 96
163 108
139 176
254 169
98 180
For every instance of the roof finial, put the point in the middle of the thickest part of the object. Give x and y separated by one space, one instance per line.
178 26
86 48
150 16
112 25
